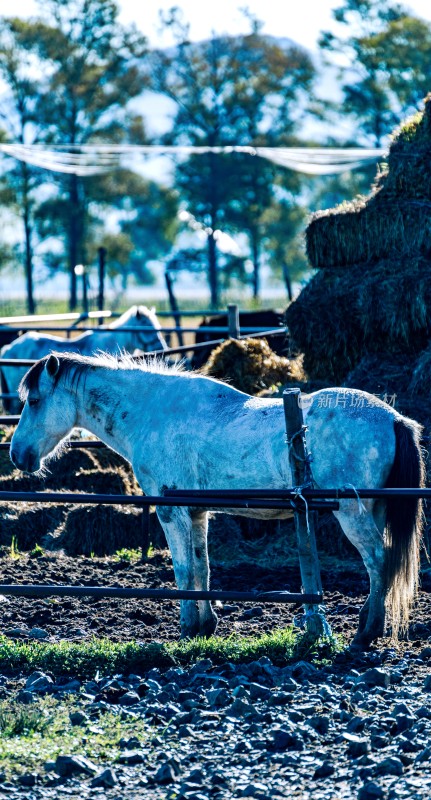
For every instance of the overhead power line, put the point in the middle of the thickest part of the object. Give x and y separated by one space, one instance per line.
94 159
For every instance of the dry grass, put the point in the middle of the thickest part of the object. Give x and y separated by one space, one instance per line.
342 316
251 366
372 292
364 231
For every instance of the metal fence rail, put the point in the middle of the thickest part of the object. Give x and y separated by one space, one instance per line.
39 590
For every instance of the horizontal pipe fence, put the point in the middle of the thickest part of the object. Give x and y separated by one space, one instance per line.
141 328
249 502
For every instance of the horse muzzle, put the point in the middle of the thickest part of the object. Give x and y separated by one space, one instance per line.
24 459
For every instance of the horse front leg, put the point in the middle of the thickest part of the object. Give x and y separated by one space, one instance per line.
186 535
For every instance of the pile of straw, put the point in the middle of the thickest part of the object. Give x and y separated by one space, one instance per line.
372 290
251 366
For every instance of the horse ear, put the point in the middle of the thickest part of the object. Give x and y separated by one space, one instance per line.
52 366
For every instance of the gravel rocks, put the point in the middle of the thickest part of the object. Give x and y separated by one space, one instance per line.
342 732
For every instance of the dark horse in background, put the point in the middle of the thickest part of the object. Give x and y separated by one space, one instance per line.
247 319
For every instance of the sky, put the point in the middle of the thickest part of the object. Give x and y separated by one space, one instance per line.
301 21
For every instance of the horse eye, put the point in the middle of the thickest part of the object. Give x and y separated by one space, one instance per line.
33 402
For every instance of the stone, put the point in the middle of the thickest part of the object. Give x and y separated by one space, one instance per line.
375 676
185 732
218 697
25 697
256 611
38 633
284 739
131 757
370 791
427 683
324 770
38 682
356 745
240 708
28 779
320 723
129 699
165 773
196 776
424 712
78 717
105 779
74 765
254 790
425 755
390 766
303 670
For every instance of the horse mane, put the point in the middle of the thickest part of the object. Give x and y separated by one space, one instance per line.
148 313
74 366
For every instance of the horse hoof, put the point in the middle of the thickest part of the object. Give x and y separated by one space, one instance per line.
208 627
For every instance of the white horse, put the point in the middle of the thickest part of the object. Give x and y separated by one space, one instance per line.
146 336
183 430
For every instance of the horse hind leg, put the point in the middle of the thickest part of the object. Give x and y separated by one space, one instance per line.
365 531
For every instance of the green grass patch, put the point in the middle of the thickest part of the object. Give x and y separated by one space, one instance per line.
85 659
127 556
37 734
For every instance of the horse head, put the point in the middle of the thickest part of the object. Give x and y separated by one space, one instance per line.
48 416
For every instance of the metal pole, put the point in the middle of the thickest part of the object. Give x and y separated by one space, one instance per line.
308 558
34 590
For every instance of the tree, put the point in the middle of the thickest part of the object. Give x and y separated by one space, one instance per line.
94 73
385 69
244 90
20 113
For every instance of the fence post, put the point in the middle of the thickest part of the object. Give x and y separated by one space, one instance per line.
101 251
145 532
304 523
233 321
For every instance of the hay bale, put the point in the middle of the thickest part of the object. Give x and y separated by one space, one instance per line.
99 530
420 382
393 218
29 523
364 231
340 317
251 366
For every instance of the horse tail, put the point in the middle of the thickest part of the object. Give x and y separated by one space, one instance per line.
404 524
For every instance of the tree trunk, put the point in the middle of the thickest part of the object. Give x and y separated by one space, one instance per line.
287 281
28 250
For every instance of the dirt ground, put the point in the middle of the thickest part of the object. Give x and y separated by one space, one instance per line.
145 620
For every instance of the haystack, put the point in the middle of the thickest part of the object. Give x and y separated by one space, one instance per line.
251 366
372 290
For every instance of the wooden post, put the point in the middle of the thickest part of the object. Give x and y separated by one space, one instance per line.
233 321
304 524
174 306
101 292
145 532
